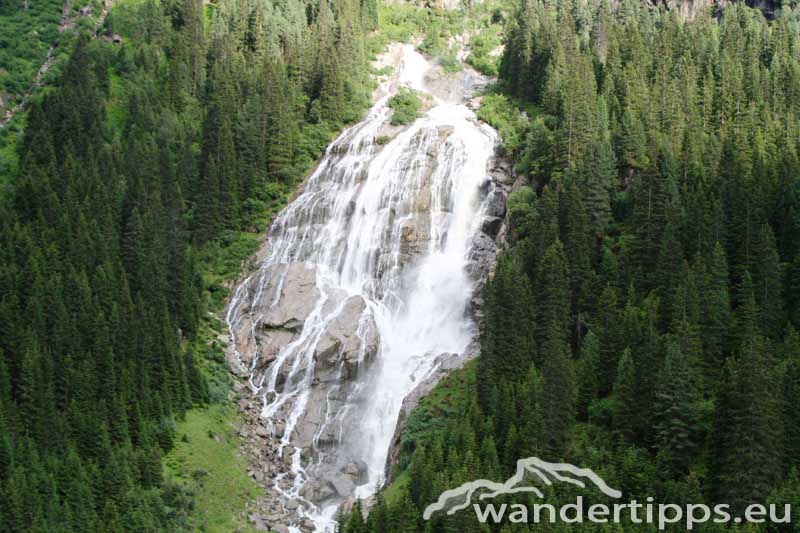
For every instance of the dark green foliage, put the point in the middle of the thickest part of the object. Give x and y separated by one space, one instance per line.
626 407
748 429
677 410
507 341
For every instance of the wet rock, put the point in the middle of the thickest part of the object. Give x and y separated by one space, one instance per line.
422 199
288 454
501 171
344 485
298 296
481 256
311 419
444 131
356 469
496 203
258 522
318 491
270 344
415 234
491 225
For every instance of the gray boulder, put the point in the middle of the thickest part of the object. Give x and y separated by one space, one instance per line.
297 298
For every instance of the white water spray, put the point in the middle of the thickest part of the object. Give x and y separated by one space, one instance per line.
364 284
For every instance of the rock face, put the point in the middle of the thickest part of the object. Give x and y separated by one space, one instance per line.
691 9
366 290
297 297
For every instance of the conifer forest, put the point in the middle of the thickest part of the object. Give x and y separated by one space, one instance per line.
305 265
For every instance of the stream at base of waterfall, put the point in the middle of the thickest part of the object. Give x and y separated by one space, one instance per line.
367 287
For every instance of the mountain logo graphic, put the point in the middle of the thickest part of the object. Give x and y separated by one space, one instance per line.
459 498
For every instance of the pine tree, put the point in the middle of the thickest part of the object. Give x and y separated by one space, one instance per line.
791 397
553 301
671 270
677 410
587 375
634 141
626 412
404 516
596 173
747 427
507 343
530 406
715 303
355 522
767 281
607 327
558 392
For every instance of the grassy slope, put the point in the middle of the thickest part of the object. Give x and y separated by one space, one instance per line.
449 398
206 458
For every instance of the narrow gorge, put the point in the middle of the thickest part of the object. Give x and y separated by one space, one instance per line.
365 290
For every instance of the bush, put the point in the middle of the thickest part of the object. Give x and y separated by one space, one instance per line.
484 64
406 105
481 46
521 209
504 116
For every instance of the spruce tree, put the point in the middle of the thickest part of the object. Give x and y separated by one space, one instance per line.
626 408
677 409
747 428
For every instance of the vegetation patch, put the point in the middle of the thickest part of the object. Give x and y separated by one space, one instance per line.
446 402
481 46
206 460
406 105
505 115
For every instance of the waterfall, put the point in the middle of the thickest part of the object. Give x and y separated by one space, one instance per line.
366 280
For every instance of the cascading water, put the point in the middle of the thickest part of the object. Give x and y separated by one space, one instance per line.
367 279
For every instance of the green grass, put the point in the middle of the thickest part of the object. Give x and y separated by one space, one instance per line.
206 458
116 105
392 493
